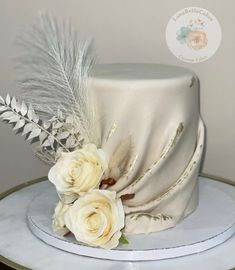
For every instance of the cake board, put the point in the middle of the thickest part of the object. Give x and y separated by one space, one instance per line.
212 223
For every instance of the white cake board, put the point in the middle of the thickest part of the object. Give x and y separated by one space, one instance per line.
210 225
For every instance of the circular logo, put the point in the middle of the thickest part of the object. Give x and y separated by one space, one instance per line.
193 34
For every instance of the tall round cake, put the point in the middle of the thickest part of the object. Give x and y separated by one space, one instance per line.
153 137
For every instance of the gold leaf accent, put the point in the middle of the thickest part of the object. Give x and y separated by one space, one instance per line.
111 131
159 216
193 80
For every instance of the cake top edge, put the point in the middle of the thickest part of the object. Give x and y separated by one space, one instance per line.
139 71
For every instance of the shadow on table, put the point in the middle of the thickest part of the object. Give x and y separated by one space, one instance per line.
5 267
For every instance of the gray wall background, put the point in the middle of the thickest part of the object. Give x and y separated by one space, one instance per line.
126 31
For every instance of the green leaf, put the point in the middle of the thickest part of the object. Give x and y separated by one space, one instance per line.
123 239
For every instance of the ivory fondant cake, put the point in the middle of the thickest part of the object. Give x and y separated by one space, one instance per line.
124 141
154 111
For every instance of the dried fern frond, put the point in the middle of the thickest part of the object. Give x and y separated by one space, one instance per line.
55 67
54 135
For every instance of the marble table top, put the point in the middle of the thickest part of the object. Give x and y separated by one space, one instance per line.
20 246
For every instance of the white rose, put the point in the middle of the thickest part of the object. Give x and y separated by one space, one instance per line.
78 172
58 224
96 219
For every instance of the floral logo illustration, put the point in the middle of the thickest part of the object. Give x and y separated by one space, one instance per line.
193 35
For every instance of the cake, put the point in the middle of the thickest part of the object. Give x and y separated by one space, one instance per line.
124 141
156 107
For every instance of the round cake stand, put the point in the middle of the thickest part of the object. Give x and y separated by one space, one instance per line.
211 224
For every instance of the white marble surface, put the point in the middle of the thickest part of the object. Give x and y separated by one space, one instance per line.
211 224
21 246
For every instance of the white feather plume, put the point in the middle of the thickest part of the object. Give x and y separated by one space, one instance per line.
55 67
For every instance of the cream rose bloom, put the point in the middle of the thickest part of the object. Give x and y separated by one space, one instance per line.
196 40
78 172
58 224
96 219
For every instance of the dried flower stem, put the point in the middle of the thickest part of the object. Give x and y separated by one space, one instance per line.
40 127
